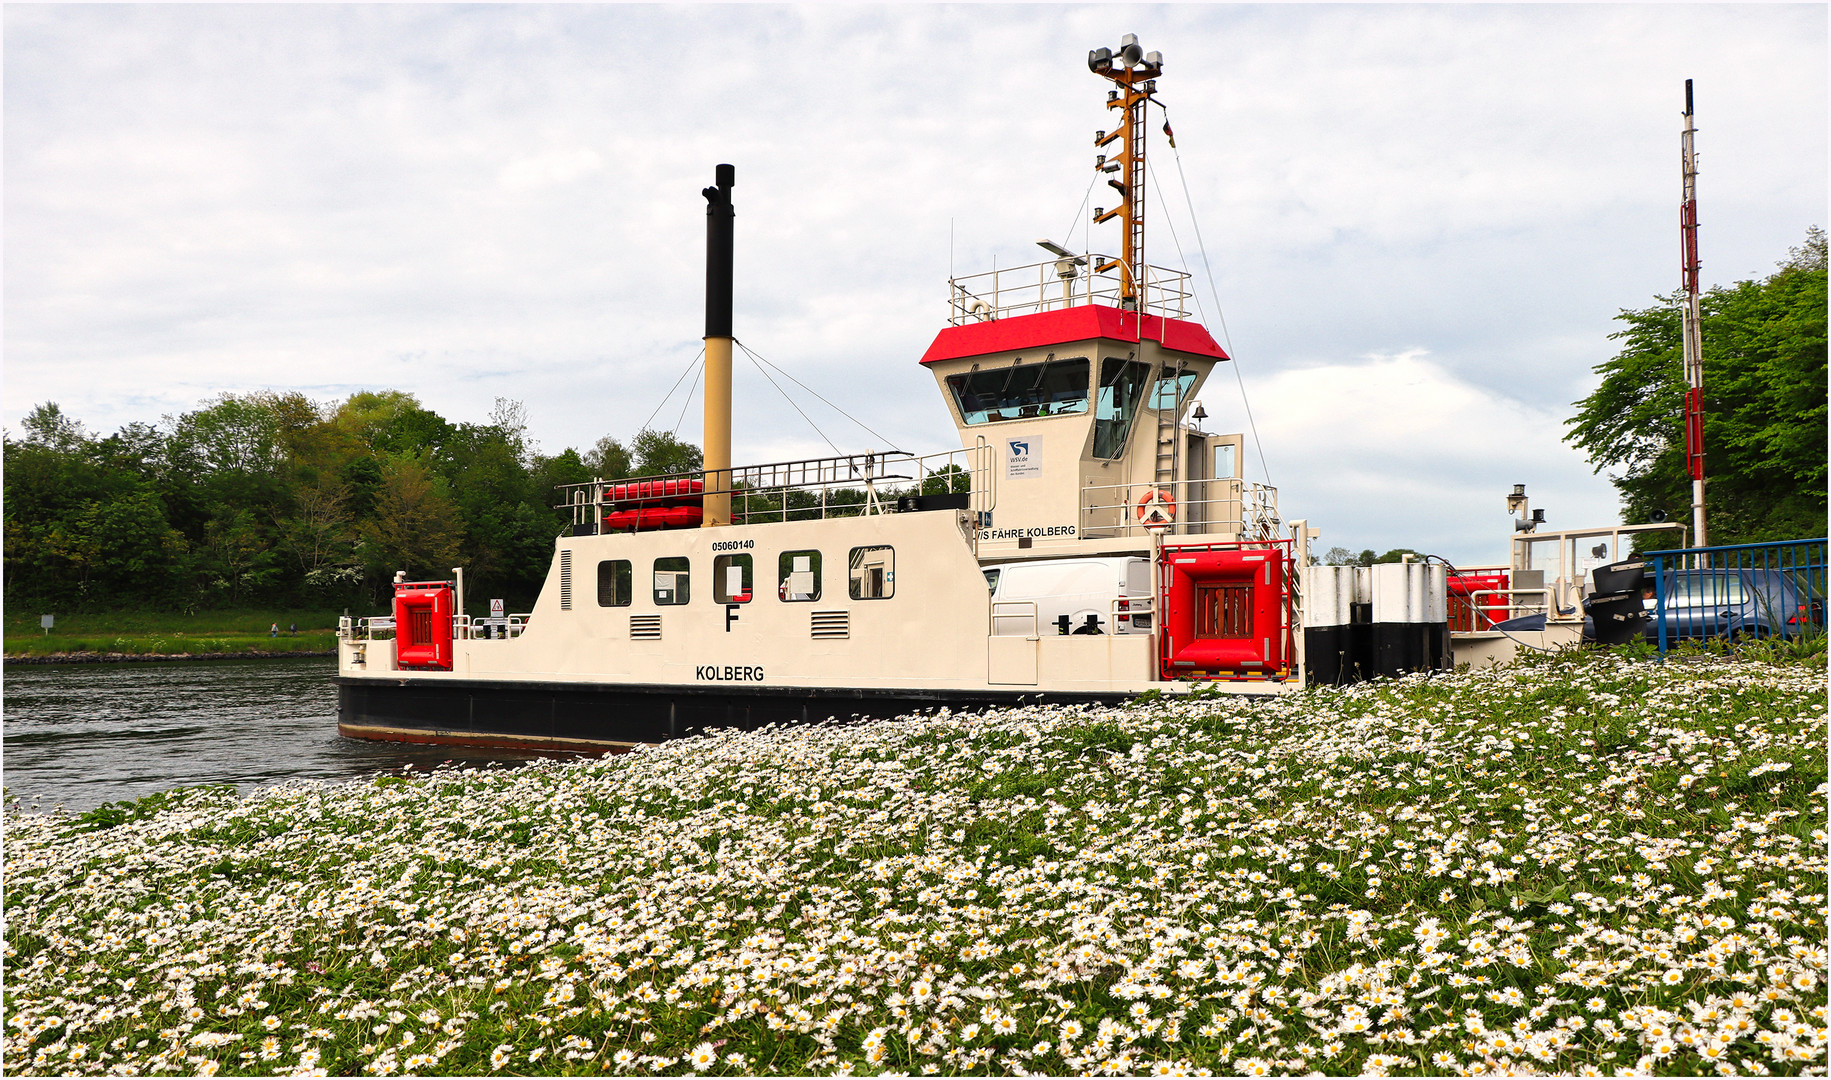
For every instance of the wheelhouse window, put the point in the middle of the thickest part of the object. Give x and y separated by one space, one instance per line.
672 578
873 573
1021 391
731 579
1223 611
1116 404
798 576
1172 387
615 578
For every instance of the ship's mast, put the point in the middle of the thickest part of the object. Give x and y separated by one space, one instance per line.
717 460
1694 342
1134 72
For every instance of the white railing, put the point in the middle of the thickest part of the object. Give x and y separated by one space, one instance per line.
1061 283
847 486
1020 612
463 628
1226 505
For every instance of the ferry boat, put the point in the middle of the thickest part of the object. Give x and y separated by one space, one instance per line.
1087 541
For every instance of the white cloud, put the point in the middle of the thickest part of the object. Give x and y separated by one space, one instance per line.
1394 450
472 201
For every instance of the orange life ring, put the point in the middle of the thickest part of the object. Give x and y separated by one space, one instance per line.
1156 506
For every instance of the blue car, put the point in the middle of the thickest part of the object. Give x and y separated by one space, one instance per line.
1734 603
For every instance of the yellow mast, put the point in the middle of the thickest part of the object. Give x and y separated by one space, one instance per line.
1135 73
717 459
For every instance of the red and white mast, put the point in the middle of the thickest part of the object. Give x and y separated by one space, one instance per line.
1694 342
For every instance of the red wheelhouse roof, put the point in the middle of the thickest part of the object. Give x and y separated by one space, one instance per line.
1070 324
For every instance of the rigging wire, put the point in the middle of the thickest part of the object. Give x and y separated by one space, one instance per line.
888 444
1219 314
1079 214
687 404
791 403
671 389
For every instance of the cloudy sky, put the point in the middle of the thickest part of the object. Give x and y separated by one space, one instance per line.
1421 220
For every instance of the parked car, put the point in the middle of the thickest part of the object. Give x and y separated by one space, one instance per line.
1731 603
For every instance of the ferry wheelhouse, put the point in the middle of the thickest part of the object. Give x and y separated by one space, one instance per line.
1087 541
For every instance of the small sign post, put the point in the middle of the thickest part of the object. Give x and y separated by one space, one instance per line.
47 621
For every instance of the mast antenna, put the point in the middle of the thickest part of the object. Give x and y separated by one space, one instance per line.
1134 73
1693 325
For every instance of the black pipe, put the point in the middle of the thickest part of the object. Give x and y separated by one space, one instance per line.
1687 97
719 215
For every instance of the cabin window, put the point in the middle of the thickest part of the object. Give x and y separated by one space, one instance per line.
1223 611
798 576
615 577
731 580
991 578
1021 391
671 580
1172 387
1116 405
873 573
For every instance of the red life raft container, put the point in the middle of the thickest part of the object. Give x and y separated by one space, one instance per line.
658 492
654 504
422 625
1224 613
653 517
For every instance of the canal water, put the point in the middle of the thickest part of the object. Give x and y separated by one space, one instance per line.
80 735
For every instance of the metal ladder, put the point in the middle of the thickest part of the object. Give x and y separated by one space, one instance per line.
1168 443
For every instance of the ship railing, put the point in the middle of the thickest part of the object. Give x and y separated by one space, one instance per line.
850 485
1225 505
1055 284
493 628
1014 618
371 628
1519 602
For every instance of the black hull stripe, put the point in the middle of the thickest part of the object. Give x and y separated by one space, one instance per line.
595 718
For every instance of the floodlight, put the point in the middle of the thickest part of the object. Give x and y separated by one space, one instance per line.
1154 59
1099 60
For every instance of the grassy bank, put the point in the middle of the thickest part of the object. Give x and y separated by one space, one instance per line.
1588 864
143 633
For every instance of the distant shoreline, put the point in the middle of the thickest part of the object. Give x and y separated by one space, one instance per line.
130 658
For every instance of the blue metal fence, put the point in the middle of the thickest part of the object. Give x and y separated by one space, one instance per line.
1738 591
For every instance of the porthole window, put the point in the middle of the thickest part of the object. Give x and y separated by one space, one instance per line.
872 573
672 578
614 580
731 579
798 576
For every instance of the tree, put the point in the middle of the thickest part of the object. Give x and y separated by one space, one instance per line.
609 460
658 452
1341 556
1764 405
49 426
416 528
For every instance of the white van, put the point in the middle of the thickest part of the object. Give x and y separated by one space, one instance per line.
1106 595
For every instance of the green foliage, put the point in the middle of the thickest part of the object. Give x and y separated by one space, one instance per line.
1764 401
271 499
1341 556
657 452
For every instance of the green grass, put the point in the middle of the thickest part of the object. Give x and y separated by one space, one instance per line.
1575 864
142 632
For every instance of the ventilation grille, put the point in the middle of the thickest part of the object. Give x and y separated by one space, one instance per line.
645 627
832 624
565 580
